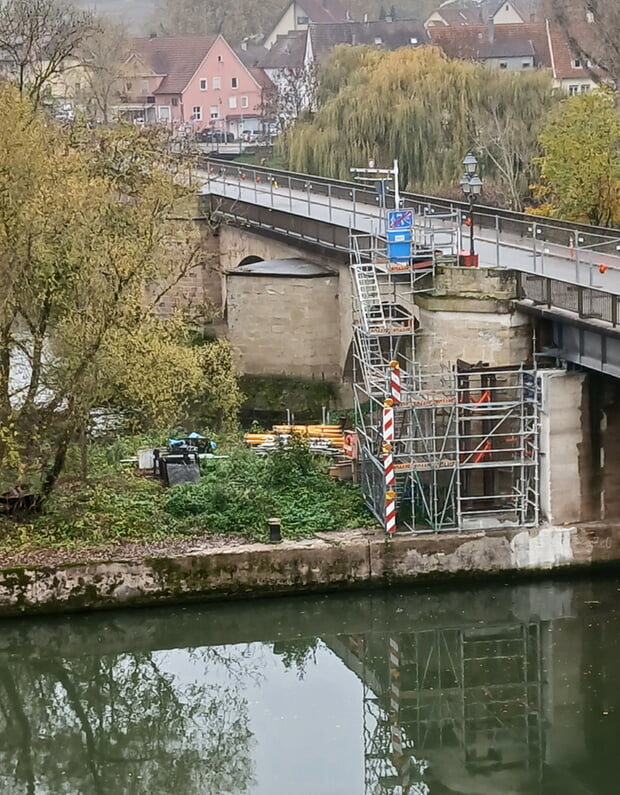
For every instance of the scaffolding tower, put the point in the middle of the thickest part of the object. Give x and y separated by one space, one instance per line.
475 693
452 446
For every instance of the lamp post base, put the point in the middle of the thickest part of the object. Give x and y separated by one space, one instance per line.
468 260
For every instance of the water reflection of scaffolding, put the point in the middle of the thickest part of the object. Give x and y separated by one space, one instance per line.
470 700
465 447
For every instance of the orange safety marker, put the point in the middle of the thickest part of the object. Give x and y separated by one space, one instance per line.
571 247
602 268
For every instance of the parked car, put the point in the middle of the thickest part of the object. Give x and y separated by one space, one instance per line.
208 136
249 136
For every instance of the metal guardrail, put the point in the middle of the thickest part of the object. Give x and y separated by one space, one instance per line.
568 252
546 230
585 302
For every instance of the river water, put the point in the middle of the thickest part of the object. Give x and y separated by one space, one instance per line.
490 690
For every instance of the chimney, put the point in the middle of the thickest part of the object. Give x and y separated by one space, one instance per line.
491 30
244 45
365 19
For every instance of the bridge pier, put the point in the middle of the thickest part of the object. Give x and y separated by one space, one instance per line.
470 315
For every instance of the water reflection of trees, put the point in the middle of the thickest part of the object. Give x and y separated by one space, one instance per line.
123 724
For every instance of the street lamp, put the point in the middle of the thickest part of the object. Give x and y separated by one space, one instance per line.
471 185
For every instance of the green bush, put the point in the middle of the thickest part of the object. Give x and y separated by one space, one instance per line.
239 495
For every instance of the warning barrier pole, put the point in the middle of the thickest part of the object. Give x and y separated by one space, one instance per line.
395 728
395 385
388 467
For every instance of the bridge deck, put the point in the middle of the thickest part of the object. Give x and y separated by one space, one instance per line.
529 255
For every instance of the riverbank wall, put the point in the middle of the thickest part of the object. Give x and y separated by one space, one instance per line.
328 561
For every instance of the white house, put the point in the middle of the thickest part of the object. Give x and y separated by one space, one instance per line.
300 13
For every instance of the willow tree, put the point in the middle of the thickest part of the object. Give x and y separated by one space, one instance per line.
82 235
416 105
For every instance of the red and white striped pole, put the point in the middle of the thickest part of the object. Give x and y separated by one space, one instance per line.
395 382
388 467
396 734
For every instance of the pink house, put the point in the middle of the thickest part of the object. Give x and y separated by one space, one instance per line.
192 79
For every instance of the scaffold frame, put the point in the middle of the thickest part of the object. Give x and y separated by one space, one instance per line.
463 453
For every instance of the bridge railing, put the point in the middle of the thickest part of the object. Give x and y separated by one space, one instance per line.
588 303
550 230
542 242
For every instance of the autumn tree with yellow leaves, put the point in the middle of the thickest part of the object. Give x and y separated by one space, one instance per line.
82 234
580 167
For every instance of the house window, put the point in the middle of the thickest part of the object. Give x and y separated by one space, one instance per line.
197 113
413 40
145 87
219 59
128 85
216 83
234 82
576 64
174 102
164 113
526 64
244 102
232 102
572 90
584 88
214 112
203 83
503 65
378 40
302 20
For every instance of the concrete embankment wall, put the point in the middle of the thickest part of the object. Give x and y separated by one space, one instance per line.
327 562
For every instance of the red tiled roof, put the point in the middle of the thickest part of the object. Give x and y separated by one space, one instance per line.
475 42
260 77
563 60
176 57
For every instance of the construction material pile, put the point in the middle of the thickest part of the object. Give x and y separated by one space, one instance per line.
325 440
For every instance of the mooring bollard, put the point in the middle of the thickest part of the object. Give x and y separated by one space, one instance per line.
275 530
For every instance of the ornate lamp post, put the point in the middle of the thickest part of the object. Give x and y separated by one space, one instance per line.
471 185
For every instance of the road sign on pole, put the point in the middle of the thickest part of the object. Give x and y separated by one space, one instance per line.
400 219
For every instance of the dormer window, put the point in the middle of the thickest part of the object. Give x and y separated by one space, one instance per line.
378 40
303 20
413 40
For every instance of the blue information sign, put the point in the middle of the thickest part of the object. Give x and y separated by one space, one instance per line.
400 219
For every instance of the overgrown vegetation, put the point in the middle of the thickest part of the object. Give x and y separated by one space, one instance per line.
240 494
115 505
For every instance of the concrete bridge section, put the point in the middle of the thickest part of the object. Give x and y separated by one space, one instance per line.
570 271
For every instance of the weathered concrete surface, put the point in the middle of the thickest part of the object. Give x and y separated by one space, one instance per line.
326 562
470 315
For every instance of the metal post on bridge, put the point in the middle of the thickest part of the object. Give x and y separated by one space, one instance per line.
329 200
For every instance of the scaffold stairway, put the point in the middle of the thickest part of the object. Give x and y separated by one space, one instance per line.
369 295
